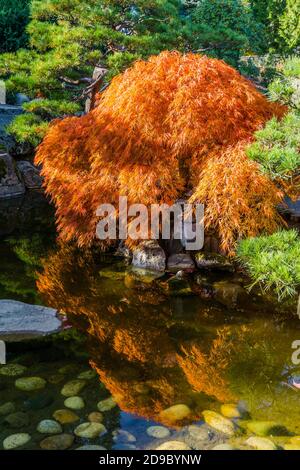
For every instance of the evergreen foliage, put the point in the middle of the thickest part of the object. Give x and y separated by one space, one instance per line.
14 16
273 261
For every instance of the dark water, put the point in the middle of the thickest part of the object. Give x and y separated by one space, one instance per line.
151 346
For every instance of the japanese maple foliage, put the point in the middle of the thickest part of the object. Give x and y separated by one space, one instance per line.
167 126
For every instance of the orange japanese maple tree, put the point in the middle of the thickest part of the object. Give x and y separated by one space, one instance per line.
172 126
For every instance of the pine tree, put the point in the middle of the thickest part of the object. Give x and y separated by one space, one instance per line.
69 38
233 21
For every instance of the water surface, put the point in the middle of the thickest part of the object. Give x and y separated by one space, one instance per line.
150 347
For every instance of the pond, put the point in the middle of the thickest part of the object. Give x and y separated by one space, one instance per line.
145 355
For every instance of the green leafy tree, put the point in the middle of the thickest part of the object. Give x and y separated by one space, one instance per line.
234 22
281 21
269 12
14 16
74 43
290 25
277 146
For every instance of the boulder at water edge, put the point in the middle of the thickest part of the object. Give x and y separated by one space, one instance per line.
149 255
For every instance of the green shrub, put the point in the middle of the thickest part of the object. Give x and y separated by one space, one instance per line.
28 128
286 86
51 109
277 147
273 261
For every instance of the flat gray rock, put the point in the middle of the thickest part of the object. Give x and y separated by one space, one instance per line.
23 321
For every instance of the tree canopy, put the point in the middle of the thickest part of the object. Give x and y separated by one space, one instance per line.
173 124
14 17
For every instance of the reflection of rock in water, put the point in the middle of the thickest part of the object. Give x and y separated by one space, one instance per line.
25 213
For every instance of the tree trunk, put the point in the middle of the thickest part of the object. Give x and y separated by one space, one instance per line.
98 75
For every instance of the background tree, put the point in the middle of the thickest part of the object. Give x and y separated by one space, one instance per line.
233 28
290 25
14 16
281 21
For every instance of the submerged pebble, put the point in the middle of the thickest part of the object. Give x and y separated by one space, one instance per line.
89 430
67 369
107 404
59 442
260 443
123 435
7 408
30 384
87 374
55 379
218 422
175 413
17 420
16 440
38 402
266 428
95 417
292 446
199 433
295 440
125 447
223 447
91 447
294 443
65 416
49 426
75 403
173 445
12 370
158 432
230 411
72 388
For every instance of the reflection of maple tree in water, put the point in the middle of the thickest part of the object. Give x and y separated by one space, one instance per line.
207 372
131 339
